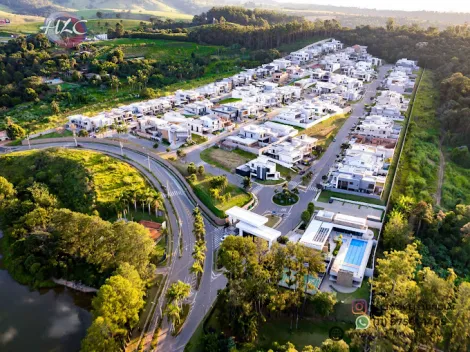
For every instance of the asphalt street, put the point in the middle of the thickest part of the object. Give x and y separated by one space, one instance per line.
201 300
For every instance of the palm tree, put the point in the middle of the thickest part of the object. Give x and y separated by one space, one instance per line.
173 313
157 202
196 269
178 291
199 256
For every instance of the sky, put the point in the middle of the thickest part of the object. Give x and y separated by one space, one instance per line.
406 5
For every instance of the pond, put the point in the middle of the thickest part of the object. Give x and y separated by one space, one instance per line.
41 320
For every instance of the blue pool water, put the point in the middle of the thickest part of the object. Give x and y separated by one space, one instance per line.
355 252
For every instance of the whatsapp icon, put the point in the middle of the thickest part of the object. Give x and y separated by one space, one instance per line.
362 322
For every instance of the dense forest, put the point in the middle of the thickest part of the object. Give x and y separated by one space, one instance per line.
49 206
242 16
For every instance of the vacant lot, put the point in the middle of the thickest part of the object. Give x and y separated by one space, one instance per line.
226 160
326 130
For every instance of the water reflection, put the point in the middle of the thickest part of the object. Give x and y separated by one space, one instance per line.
45 320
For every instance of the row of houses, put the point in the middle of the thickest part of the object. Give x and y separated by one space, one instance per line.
402 78
364 165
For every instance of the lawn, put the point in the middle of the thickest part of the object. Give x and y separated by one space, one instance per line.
229 100
159 49
325 196
198 139
226 160
272 220
309 332
141 215
238 196
343 309
285 198
64 133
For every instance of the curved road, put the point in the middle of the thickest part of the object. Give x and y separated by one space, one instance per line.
200 300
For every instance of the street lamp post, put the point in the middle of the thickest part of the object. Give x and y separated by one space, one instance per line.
120 144
29 143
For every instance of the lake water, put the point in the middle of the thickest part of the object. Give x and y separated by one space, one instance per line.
52 320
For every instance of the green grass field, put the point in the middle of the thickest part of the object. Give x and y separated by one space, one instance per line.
159 49
238 196
417 174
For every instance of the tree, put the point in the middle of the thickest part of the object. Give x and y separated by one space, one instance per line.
311 208
55 107
397 233
458 326
390 24
192 168
99 14
15 131
333 346
180 153
99 338
306 216
177 292
394 281
323 303
247 182
119 303
200 170
30 94
115 83
83 133
196 268
173 312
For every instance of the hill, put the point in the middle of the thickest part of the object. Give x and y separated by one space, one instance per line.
145 8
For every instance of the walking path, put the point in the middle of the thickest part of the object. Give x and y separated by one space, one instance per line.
75 285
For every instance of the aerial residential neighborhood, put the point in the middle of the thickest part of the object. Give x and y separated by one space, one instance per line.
257 177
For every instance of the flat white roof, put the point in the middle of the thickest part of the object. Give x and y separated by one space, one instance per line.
316 234
240 140
247 216
264 232
350 219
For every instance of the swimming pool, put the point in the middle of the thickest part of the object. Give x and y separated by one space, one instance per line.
355 252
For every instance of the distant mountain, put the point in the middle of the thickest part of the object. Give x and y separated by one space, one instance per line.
45 7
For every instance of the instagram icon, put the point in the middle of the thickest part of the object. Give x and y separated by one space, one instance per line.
359 306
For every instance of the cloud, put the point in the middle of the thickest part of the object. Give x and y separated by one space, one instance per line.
8 336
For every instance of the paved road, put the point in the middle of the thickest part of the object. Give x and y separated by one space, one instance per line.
201 300
291 215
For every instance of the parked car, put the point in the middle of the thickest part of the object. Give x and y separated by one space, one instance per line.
302 172
334 139
330 200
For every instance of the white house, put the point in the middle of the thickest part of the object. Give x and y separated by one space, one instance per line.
249 223
198 108
261 168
